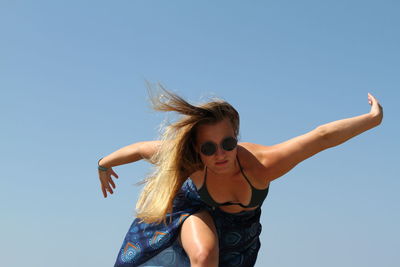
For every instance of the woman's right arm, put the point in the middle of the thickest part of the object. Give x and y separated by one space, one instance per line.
131 153
127 154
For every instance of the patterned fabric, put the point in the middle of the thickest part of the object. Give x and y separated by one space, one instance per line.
157 244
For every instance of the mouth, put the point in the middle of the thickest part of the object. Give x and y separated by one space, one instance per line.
219 163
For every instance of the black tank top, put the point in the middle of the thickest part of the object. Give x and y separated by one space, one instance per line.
257 195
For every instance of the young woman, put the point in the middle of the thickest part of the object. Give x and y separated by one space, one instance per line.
202 204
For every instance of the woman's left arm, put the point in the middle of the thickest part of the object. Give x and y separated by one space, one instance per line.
281 158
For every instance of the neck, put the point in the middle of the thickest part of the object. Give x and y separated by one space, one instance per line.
226 173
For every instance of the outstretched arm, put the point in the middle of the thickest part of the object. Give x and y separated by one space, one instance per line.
131 153
281 158
127 154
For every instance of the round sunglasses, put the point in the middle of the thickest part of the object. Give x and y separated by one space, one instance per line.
209 148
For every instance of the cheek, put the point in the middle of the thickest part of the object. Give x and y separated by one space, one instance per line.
232 153
204 159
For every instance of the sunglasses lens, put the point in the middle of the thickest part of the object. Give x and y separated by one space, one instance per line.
208 148
229 143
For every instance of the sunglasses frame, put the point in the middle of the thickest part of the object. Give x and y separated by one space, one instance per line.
215 146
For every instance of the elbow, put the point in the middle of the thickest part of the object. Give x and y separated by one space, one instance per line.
324 137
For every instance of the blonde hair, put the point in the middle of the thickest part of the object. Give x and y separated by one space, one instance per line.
177 158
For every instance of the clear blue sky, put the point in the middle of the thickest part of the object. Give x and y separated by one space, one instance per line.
72 90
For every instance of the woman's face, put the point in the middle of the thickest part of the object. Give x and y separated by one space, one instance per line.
222 160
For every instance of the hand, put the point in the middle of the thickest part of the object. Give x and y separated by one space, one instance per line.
376 108
106 180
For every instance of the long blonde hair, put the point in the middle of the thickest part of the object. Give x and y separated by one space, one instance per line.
177 158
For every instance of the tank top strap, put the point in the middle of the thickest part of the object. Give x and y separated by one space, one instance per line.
241 170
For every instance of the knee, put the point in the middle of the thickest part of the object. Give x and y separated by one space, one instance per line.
199 240
205 256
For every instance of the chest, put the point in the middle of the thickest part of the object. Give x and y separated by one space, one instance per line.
235 189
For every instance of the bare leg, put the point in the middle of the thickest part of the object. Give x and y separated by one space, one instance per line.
199 239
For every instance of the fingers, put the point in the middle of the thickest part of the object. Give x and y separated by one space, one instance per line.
376 108
114 174
372 99
106 181
109 189
104 191
112 183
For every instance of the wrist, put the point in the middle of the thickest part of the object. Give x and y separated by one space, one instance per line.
376 117
101 166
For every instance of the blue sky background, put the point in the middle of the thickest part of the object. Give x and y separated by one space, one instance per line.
72 83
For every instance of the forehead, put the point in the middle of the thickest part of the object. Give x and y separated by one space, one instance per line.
214 132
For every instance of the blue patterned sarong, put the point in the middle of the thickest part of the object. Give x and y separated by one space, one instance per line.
157 244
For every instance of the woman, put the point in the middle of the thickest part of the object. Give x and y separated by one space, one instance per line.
202 204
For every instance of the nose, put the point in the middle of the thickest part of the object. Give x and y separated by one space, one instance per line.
220 151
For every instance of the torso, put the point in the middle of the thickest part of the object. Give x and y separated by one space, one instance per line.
235 188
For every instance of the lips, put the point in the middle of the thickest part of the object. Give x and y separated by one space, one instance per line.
221 162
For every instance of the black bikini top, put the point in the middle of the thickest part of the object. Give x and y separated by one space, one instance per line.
257 195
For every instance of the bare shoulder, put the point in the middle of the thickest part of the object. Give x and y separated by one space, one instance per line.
256 151
252 160
280 158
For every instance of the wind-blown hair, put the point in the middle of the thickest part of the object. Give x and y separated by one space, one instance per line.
177 158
